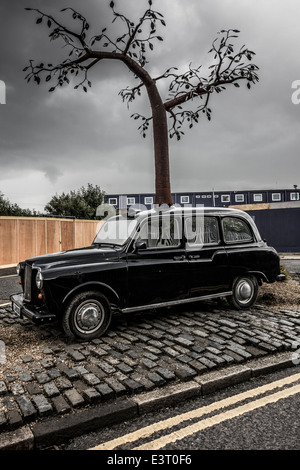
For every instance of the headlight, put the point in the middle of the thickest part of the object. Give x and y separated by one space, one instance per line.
39 280
18 269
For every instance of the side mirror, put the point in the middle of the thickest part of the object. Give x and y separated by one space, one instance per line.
140 245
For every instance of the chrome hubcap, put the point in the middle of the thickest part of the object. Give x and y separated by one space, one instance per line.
89 316
244 291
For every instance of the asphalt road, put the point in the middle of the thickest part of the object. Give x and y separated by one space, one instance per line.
260 419
9 284
292 266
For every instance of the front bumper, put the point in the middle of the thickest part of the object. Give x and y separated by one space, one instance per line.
22 309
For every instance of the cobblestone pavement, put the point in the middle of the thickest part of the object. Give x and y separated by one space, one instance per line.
139 353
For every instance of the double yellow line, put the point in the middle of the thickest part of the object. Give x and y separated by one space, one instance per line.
205 423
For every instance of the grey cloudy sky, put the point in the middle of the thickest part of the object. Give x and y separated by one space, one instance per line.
54 142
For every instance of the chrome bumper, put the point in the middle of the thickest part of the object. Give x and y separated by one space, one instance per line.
29 311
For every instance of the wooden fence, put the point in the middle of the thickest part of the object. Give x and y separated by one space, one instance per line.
25 237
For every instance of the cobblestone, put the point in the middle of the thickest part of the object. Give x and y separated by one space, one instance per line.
42 404
140 353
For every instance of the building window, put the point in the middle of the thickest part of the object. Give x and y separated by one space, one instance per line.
276 197
130 201
113 201
239 198
294 196
148 200
257 198
225 198
185 199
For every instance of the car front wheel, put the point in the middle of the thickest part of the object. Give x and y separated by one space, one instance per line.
87 316
244 292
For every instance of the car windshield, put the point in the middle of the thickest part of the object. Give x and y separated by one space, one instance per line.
116 231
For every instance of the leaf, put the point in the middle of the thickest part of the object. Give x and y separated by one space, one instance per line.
39 20
159 38
111 4
48 78
52 89
49 23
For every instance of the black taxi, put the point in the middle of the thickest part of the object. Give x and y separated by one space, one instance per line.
148 259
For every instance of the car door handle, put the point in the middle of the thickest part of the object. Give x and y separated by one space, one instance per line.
179 258
194 257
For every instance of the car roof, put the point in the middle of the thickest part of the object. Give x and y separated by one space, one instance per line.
140 215
135 212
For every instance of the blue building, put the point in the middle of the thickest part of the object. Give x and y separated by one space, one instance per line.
276 212
208 198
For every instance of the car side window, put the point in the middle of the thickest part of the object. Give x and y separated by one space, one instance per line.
236 230
160 232
201 231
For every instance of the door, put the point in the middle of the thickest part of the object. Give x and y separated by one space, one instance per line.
157 272
243 251
207 258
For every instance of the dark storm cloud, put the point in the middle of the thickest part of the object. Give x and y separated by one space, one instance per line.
63 140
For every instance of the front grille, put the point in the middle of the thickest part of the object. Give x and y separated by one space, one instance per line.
27 283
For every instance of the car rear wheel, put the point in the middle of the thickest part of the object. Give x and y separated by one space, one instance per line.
87 316
244 292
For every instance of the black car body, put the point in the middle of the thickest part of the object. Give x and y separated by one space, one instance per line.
148 259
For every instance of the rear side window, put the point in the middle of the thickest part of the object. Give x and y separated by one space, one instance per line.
201 231
236 230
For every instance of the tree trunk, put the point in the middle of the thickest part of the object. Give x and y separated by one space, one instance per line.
161 148
160 134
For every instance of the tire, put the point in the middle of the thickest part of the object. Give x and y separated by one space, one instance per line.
244 292
87 316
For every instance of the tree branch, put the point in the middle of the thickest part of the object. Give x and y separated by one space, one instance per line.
229 67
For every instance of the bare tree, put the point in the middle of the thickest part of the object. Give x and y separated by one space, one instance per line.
229 67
